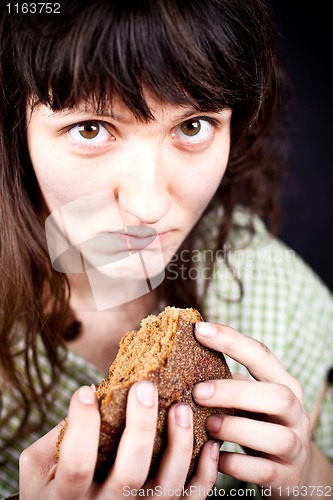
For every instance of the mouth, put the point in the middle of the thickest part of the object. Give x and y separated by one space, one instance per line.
136 238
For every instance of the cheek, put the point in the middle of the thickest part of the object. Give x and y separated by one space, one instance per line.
52 187
45 160
57 179
198 185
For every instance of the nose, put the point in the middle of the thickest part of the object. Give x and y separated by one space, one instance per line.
144 191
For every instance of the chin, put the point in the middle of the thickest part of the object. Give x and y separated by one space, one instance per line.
122 281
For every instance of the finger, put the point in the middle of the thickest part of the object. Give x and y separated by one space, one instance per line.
135 449
175 463
37 465
275 400
254 355
206 472
240 376
264 437
252 469
77 457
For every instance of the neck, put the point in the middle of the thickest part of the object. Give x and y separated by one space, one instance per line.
101 331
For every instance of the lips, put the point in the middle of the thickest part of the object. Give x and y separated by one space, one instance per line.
140 232
135 238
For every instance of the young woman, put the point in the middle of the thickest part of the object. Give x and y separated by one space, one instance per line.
142 139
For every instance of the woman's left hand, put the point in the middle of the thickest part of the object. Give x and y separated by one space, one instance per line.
277 435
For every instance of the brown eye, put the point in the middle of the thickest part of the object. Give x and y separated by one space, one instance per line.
191 127
89 130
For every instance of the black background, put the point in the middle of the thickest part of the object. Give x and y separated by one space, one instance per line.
305 47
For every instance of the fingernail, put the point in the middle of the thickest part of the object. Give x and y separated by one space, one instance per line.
183 415
215 451
145 392
213 423
86 395
204 390
205 329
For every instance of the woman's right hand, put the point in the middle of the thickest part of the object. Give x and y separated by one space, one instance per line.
71 477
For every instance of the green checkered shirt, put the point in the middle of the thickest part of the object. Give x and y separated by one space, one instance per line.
284 305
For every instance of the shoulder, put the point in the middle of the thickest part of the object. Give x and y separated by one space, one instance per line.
266 268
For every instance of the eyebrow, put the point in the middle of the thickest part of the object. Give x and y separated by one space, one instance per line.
108 113
119 118
88 111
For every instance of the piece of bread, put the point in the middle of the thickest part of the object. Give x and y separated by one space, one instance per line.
165 351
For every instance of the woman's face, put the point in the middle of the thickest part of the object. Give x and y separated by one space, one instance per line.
111 176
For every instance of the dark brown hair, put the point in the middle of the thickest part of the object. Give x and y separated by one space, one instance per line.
209 54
